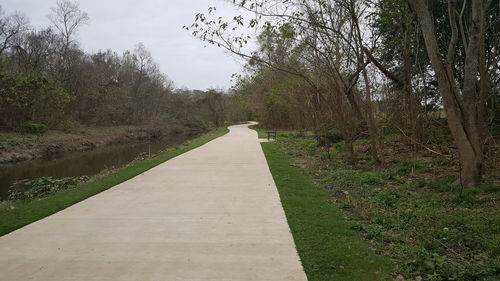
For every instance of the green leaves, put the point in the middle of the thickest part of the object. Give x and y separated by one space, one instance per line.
31 97
39 187
36 128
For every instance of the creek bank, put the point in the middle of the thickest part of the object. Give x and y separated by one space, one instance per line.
16 214
20 147
91 156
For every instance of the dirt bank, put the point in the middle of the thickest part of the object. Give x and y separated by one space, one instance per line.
18 147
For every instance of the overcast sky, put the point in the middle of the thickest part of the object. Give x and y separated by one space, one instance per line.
120 24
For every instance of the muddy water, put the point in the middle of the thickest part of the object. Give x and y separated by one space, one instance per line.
86 162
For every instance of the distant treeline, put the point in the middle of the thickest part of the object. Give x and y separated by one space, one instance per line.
46 78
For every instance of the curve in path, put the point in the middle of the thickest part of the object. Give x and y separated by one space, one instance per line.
212 213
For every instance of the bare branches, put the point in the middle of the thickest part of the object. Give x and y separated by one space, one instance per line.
67 18
11 26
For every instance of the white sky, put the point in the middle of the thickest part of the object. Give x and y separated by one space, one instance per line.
120 24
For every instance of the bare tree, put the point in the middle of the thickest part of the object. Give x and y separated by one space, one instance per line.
67 18
11 26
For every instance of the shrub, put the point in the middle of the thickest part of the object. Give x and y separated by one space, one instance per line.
67 126
35 128
23 95
327 134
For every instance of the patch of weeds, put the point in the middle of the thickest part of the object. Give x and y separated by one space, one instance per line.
466 198
362 142
400 170
345 205
35 128
309 146
340 146
441 162
415 184
441 139
435 267
350 178
442 183
388 198
370 231
39 187
286 135
493 245
490 189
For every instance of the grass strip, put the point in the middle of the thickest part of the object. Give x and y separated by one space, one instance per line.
327 245
19 214
261 133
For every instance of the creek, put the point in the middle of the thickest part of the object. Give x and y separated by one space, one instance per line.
86 163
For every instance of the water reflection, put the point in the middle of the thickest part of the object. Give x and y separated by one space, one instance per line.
86 162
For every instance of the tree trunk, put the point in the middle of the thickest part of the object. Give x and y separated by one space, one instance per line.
410 99
370 118
461 106
372 126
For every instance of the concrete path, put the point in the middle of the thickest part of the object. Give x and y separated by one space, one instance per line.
210 214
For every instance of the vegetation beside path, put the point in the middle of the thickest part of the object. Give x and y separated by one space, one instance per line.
14 215
408 211
328 248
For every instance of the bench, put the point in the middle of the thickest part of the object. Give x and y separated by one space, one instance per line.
271 135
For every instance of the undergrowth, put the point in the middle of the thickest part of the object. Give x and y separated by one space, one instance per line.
409 209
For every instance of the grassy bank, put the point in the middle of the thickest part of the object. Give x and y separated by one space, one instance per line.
14 215
407 210
329 249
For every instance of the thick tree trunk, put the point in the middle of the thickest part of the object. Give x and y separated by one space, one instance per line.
461 106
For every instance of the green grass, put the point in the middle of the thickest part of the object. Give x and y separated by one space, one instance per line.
409 210
327 245
14 215
262 133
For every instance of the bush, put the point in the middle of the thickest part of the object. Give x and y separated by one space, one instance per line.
327 134
35 128
23 95
67 126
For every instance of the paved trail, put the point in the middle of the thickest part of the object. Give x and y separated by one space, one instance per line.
210 214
